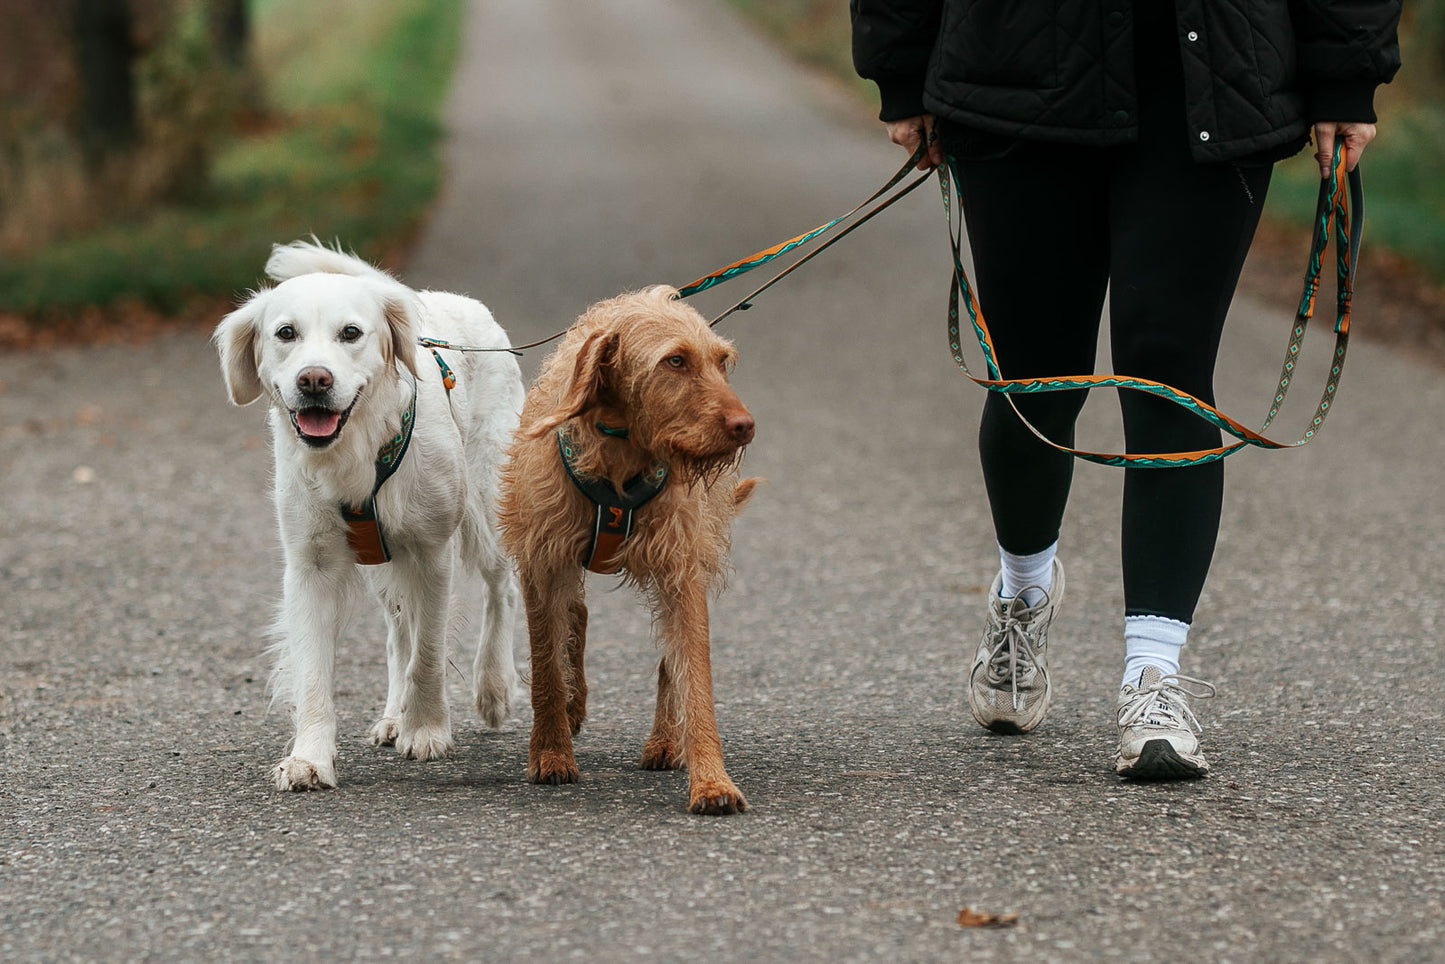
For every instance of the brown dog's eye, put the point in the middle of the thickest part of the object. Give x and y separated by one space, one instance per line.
676 361
350 333
286 333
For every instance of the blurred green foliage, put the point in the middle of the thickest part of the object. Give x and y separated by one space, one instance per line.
346 149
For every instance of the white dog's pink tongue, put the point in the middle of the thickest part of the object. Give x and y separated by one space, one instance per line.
318 422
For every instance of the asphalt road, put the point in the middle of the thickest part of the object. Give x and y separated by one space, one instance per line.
603 146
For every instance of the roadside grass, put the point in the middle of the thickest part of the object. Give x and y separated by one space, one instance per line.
817 32
1404 188
348 150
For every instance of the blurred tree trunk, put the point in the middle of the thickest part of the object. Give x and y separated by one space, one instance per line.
231 28
105 61
232 22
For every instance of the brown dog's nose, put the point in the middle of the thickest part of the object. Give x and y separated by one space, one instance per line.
313 381
740 426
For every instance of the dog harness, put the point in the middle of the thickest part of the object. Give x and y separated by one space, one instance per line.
612 518
363 528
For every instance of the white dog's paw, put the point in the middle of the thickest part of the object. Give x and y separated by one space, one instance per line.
425 742
296 773
496 698
384 731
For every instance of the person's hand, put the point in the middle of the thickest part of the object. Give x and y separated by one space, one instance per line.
1355 136
909 132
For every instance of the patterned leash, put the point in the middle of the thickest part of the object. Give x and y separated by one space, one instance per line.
743 265
1340 210
759 258
1334 211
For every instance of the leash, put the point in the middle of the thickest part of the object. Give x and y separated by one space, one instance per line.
1339 213
759 258
1341 196
743 265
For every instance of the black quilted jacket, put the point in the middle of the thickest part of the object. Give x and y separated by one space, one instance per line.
1256 72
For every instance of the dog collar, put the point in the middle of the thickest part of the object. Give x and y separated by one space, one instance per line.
612 518
620 432
363 528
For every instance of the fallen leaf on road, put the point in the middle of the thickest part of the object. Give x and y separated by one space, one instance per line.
968 917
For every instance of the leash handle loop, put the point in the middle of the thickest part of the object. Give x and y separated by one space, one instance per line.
1340 193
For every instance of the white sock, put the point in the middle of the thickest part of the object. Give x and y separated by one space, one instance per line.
1152 641
1034 572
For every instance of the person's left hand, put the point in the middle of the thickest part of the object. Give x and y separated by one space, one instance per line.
1355 135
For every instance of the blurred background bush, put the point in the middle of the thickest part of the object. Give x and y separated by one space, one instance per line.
151 151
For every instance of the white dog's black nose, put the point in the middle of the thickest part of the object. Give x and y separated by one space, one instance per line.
314 381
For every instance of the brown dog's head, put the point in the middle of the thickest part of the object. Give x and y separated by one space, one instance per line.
648 362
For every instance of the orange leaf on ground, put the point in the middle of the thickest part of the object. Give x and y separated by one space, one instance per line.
968 917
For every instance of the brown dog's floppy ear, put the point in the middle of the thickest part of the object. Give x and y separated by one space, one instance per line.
588 380
238 340
399 310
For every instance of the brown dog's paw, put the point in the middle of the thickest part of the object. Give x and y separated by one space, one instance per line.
660 755
577 712
716 799
553 768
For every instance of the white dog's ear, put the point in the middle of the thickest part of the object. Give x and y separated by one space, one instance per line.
399 309
589 379
238 340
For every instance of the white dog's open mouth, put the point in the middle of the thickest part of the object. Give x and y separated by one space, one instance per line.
319 427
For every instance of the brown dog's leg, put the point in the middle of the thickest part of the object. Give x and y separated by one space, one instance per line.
577 677
660 750
710 791
549 605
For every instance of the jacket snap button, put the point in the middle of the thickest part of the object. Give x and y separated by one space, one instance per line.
1192 36
1115 18
1204 135
1121 116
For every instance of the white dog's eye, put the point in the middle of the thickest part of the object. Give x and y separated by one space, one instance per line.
350 333
286 333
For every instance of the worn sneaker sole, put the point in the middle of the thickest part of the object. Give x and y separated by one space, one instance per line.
1158 760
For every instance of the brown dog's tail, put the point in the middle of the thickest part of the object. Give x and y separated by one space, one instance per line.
742 492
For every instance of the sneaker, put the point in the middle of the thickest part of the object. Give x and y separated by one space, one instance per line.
1157 731
1008 687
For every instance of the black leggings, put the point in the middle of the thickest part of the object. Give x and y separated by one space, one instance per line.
1052 227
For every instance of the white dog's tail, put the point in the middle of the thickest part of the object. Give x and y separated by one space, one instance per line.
312 257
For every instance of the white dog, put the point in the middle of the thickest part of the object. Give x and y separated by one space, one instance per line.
333 347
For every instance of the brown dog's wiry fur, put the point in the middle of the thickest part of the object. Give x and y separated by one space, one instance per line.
648 362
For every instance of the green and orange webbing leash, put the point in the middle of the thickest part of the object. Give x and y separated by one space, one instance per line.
1340 210
758 258
1340 206
740 267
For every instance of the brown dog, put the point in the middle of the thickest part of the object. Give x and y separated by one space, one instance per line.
635 407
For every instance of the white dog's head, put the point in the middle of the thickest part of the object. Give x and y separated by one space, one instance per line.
315 344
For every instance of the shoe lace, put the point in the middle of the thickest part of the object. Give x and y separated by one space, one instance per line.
1011 646
1166 703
